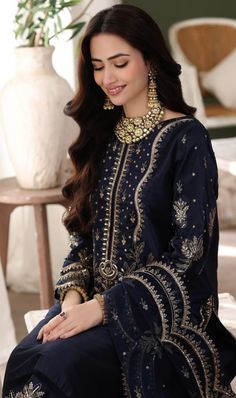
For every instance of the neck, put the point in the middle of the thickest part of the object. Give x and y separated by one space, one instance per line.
136 107
133 113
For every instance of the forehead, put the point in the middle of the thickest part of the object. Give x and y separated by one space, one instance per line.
104 45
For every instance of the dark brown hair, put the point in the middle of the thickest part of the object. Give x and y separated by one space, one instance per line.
141 32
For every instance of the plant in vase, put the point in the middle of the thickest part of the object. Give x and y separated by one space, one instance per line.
32 102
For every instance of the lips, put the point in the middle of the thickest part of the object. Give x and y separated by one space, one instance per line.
115 90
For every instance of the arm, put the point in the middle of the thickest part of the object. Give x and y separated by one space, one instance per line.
73 289
75 280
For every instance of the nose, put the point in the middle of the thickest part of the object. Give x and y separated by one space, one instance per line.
108 77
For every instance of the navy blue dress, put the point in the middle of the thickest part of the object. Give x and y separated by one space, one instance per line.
153 255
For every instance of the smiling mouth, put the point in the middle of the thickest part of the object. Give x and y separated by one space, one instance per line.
115 91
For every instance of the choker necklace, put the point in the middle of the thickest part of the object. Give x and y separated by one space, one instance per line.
133 129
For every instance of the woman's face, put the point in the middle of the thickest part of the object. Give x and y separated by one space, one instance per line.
121 72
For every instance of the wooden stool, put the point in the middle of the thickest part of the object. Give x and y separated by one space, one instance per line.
11 196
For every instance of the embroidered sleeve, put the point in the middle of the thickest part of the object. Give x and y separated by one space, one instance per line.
194 202
76 273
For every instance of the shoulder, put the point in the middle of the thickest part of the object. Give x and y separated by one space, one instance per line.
191 139
186 128
183 134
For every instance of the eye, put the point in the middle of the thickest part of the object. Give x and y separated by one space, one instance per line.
97 68
121 65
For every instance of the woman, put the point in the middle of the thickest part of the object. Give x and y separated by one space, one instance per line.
138 290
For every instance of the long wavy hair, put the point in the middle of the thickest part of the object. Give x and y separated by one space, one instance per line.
96 125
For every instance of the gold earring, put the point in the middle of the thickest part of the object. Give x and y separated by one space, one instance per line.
153 101
108 105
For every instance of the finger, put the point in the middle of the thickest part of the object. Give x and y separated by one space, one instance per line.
70 333
40 333
59 330
45 337
53 323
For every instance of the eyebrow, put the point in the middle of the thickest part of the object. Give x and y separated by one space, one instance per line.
112 57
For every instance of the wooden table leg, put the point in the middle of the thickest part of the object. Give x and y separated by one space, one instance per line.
5 212
46 287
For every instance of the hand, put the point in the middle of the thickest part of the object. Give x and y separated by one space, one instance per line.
72 297
77 319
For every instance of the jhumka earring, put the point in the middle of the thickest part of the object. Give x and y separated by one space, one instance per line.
108 105
153 101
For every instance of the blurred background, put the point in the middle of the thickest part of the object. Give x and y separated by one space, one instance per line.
207 56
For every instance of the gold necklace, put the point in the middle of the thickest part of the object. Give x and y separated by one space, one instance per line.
129 129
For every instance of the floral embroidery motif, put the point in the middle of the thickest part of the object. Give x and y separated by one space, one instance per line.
144 304
184 139
181 207
29 391
211 221
132 218
74 240
144 166
101 193
97 234
185 372
192 249
123 197
137 393
179 186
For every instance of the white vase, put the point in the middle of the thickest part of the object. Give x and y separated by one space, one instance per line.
33 120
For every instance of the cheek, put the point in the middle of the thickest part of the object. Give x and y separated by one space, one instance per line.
138 73
97 78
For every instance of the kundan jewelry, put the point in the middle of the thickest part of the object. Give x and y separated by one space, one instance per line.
129 129
108 105
153 101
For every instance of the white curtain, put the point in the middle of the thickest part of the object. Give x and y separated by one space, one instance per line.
22 266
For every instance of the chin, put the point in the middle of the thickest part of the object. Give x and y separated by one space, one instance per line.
118 103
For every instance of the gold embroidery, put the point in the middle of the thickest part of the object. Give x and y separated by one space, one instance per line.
132 218
97 235
192 249
123 197
184 139
112 217
137 392
64 290
179 186
75 276
108 270
144 166
211 221
74 240
181 207
29 391
125 385
152 164
179 332
206 311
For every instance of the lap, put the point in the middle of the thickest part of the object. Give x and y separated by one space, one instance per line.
69 363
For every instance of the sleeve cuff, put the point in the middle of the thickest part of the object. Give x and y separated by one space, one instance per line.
101 300
61 292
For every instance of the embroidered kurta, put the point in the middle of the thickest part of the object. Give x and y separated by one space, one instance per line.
153 255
